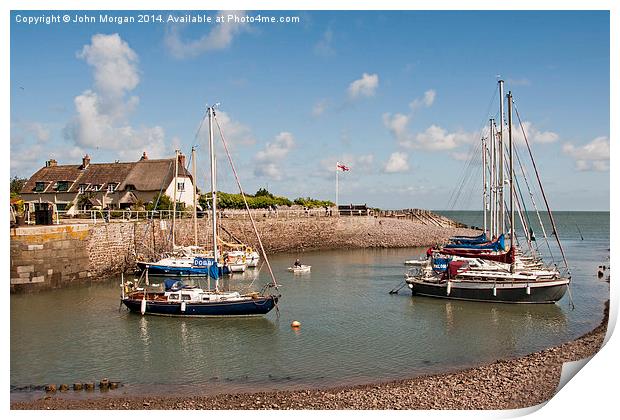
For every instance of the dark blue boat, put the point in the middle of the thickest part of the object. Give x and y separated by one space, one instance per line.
241 306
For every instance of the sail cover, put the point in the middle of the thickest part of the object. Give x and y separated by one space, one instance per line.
208 263
497 245
470 239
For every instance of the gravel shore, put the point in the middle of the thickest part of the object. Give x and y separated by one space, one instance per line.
504 384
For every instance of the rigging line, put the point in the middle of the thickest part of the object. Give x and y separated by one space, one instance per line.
524 223
545 239
516 153
480 131
466 174
553 225
542 226
245 201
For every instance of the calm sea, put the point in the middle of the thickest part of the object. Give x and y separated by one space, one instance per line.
353 331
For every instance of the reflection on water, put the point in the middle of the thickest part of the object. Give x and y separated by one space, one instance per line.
352 331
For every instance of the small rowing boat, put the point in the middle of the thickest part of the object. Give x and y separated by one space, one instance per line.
300 269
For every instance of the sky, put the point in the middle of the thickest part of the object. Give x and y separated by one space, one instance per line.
401 97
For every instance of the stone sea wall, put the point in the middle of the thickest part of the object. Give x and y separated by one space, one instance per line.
49 257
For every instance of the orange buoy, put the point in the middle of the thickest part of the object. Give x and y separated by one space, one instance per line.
295 324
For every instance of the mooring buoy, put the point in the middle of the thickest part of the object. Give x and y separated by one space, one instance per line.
295 324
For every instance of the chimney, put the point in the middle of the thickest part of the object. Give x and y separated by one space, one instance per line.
144 156
181 160
85 161
51 162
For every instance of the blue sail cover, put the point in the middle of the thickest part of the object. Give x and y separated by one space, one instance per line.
497 245
209 265
480 239
440 265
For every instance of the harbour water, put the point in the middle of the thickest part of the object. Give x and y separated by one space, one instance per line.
353 331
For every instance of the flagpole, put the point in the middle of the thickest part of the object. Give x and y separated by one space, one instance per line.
337 170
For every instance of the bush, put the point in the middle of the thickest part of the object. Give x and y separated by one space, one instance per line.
263 200
312 203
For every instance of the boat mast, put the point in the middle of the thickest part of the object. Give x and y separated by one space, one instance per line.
211 112
174 200
500 159
512 185
484 183
195 191
493 184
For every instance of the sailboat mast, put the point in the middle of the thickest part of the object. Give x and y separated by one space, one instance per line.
500 159
493 184
484 185
174 199
195 192
512 186
213 189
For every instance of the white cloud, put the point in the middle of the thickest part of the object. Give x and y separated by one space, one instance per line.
219 38
397 125
115 68
102 113
397 163
427 100
434 138
235 132
268 160
533 134
593 156
324 46
437 138
366 86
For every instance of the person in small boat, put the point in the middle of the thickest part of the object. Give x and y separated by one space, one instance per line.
297 263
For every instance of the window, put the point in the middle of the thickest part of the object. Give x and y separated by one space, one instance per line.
173 296
62 186
111 187
181 186
130 187
82 188
186 297
39 186
96 187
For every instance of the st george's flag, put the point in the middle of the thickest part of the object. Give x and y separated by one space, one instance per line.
341 167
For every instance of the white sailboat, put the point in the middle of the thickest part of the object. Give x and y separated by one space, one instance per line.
175 297
477 268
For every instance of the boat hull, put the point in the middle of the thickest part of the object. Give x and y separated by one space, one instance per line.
539 292
166 270
259 306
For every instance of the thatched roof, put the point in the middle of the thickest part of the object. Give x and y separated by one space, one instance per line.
143 175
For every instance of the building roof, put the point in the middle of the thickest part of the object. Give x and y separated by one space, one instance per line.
143 175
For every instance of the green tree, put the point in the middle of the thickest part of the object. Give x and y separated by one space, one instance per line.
262 192
162 202
17 184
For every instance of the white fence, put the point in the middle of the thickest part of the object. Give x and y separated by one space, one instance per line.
102 216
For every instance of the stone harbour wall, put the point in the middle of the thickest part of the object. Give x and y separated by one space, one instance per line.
48 257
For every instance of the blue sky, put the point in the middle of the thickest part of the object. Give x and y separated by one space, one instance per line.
397 96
